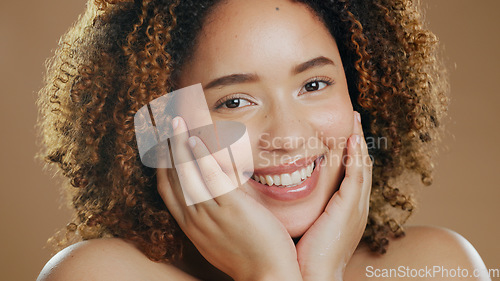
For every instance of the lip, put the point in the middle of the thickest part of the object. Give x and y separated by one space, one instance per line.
291 193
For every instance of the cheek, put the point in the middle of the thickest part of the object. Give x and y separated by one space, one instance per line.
334 125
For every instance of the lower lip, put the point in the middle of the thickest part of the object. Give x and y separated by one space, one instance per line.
290 193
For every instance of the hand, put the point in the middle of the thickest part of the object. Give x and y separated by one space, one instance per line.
327 246
232 231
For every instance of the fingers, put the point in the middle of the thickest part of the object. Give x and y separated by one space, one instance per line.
173 198
358 129
216 180
354 175
190 178
367 163
198 178
357 179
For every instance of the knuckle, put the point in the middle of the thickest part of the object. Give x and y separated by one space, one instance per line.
356 177
190 227
367 160
360 179
368 163
210 176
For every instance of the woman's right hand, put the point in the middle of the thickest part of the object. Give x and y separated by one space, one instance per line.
233 232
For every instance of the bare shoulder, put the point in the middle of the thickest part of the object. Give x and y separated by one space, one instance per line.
435 245
424 248
106 259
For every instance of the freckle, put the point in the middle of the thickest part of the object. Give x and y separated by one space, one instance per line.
265 116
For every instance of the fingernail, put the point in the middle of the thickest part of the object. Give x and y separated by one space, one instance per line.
175 123
358 116
192 142
354 140
357 138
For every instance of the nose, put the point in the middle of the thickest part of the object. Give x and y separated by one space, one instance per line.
284 129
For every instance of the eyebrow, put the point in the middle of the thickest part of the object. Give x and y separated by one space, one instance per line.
250 77
316 62
232 79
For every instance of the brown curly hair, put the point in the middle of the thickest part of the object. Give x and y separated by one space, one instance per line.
120 55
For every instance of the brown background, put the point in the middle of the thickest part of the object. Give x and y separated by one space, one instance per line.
464 197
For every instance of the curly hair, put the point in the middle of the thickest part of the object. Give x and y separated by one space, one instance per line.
120 55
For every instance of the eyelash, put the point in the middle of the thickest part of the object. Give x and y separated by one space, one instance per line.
328 81
222 101
320 79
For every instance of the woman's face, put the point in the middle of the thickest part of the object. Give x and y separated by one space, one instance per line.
273 66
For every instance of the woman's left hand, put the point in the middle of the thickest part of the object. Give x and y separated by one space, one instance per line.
325 249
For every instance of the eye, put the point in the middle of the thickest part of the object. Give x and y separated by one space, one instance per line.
316 84
235 103
232 102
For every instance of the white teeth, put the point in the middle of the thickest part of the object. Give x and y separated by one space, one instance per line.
277 179
269 180
262 179
296 177
309 170
303 174
286 179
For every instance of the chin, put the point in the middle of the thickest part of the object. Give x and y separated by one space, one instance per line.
299 220
297 230
297 216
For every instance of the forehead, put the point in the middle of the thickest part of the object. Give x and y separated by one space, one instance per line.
247 34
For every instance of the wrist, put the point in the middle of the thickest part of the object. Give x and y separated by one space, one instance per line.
279 276
321 277
273 274
322 273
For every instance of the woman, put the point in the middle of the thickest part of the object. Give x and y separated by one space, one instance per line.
296 74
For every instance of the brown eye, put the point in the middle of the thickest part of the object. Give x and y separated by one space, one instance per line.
315 85
312 86
232 103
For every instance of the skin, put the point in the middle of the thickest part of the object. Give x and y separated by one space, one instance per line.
232 234
283 117
276 110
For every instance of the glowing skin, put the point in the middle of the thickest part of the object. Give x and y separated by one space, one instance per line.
233 236
282 117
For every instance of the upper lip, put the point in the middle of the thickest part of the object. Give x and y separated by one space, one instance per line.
288 167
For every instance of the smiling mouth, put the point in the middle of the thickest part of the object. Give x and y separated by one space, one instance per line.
289 179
